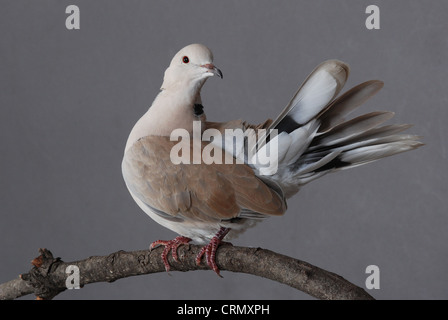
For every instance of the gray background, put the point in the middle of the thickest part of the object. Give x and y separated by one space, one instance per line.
69 99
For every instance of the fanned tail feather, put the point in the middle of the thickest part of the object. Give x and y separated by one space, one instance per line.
315 137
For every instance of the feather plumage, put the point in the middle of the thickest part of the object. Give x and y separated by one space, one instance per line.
315 138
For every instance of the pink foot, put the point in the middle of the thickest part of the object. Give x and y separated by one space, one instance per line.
210 250
170 245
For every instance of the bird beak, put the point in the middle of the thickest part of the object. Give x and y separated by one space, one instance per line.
212 69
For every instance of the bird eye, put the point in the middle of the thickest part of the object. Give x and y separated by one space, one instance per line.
185 59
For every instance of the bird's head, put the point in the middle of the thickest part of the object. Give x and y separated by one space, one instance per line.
190 67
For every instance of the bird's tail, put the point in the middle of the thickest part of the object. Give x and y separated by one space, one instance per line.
314 137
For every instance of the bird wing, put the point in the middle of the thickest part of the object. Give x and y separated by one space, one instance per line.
203 192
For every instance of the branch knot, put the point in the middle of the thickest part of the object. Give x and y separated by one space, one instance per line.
43 265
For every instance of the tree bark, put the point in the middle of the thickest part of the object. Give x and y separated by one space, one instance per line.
48 276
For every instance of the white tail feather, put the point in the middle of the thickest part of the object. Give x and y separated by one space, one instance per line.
315 137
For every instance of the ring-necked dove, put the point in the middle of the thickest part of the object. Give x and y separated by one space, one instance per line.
205 202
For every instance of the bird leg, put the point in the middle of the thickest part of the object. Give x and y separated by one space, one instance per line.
170 245
210 250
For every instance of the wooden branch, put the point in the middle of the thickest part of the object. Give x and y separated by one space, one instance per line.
48 276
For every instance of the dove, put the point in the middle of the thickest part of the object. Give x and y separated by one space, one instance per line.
206 203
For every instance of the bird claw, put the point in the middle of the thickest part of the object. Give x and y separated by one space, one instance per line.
170 245
210 250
